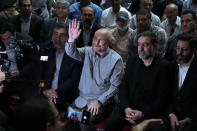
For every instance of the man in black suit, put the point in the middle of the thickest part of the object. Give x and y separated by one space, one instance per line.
61 12
88 27
26 22
183 113
145 89
63 72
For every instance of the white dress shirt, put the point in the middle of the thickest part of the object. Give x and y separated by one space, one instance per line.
108 18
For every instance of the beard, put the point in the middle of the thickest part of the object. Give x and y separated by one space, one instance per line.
124 28
144 55
183 59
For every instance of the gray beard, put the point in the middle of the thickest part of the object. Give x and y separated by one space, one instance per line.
144 56
123 28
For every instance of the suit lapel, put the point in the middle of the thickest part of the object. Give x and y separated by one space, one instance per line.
189 74
18 23
63 66
176 77
31 27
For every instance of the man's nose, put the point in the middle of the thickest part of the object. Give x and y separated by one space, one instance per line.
140 48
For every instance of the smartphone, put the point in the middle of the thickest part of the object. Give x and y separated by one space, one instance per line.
77 114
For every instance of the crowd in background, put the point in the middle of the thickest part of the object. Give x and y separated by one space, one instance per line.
131 63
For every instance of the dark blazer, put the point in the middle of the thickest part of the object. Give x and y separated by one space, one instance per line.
35 25
47 29
146 88
79 41
69 76
185 100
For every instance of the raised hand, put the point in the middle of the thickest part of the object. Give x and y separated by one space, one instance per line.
73 30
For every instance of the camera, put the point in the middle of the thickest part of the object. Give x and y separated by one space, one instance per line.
76 114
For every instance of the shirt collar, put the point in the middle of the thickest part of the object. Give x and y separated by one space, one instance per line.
58 21
176 22
90 26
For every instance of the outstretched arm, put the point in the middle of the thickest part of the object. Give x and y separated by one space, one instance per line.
71 48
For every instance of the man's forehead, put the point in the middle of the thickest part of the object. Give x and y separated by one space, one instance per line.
88 9
25 2
61 4
183 41
102 32
60 30
144 38
141 16
88 12
186 16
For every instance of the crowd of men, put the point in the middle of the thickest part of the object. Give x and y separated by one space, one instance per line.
122 67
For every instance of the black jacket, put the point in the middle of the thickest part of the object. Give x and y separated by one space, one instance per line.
147 89
69 75
35 25
184 103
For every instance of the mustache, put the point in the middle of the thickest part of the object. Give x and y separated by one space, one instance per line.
96 46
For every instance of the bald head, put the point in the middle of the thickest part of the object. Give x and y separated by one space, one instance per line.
171 12
100 42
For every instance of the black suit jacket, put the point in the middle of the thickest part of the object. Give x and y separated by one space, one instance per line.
185 100
35 25
146 88
79 41
69 76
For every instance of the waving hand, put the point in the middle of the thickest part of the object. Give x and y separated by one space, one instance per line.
73 30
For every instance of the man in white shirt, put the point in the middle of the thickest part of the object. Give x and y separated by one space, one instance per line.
172 24
108 18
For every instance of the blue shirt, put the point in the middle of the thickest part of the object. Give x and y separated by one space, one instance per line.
101 75
75 12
